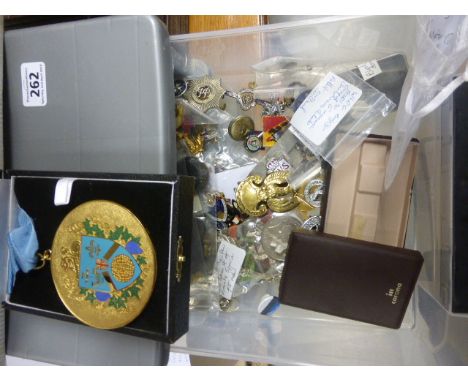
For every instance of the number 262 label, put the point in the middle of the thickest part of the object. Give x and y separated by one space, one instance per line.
33 84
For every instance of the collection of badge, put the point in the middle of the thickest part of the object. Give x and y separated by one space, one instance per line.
266 208
207 93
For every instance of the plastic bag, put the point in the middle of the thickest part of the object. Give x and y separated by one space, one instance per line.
226 153
281 72
339 113
440 54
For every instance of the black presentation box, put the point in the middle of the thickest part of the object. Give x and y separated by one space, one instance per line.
162 203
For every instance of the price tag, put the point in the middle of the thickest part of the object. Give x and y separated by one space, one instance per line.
369 69
228 265
324 108
33 81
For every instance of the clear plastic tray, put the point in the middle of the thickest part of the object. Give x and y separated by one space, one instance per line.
429 334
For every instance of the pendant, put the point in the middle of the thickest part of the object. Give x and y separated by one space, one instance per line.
103 264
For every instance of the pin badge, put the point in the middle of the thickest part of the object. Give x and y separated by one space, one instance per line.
313 192
253 142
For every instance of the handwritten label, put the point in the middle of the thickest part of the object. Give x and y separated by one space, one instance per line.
369 69
228 265
324 108
445 31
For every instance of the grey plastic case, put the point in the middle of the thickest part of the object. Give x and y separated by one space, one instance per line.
110 101
2 313
110 108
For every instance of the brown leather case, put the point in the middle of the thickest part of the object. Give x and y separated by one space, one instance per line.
349 278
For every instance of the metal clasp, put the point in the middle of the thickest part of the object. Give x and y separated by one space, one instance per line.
180 258
44 257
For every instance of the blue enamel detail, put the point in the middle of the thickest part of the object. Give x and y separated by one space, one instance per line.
96 265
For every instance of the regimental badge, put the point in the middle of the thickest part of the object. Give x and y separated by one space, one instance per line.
103 264
255 195
204 93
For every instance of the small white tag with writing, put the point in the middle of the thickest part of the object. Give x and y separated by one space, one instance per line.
33 84
324 108
228 265
369 69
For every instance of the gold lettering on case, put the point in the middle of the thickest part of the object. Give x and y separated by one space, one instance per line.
394 293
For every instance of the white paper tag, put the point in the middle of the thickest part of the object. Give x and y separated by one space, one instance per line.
324 108
63 190
227 181
33 84
369 69
228 264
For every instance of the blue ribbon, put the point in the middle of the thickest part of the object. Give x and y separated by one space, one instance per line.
23 245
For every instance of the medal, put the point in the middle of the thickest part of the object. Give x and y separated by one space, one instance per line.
103 264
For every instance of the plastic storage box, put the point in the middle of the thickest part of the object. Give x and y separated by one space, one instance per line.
430 333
